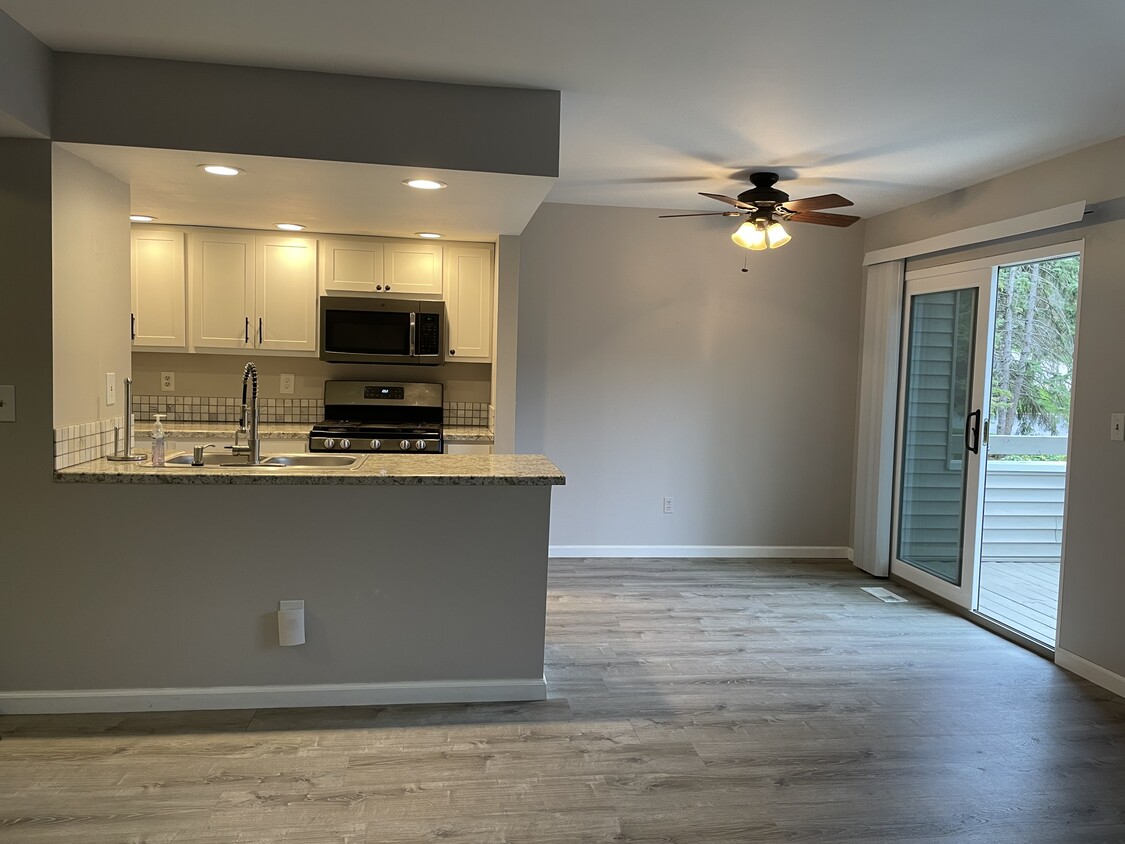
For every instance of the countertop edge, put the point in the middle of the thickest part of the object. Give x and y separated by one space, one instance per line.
421 470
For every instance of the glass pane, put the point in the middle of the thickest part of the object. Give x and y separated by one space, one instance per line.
1032 366
938 387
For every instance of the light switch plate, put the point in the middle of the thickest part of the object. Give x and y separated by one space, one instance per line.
110 389
7 403
1117 427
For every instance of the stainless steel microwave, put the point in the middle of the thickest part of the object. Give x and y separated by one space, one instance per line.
381 330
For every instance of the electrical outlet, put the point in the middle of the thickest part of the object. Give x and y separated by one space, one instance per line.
1117 427
287 383
167 382
669 505
110 389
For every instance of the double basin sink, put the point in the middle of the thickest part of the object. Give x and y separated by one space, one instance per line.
273 461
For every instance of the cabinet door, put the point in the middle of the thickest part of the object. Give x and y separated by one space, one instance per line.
468 304
285 294
351 266
222 288
412 267
159 289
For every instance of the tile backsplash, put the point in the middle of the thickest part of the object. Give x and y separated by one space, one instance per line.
225 409
76 444
229 409
466 413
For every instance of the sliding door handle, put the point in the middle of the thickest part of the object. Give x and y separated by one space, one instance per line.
972 431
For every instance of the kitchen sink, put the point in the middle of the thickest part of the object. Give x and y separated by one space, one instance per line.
275 461
311 461
211 458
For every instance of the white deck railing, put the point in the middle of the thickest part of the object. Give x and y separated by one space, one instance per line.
1023 501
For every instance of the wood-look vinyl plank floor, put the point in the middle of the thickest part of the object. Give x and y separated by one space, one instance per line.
689 701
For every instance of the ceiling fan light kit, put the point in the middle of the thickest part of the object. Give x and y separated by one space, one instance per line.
761 233
765 207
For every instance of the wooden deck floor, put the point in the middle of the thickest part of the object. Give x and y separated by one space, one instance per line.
690 701
1023 596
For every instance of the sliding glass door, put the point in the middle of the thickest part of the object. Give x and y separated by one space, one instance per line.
987 348
942 432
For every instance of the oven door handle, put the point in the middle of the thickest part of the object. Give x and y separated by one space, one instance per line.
413 331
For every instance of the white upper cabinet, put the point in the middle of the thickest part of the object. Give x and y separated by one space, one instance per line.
252 292
409 268
350 265
413 267
468 304
221 268
159 291
285 294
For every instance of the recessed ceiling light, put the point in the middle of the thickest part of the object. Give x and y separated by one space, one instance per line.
289 227
425 184
430 235
220 170
140 218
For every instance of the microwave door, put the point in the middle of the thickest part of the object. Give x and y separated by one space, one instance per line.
368 336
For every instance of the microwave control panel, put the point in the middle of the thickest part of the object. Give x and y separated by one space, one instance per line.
429 334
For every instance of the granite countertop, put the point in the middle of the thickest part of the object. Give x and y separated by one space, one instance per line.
184 430
180 430
374 470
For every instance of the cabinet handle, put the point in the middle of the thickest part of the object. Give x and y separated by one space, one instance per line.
452 351
132 326
246 329
259 331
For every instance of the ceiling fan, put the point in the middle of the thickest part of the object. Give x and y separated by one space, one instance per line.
765 207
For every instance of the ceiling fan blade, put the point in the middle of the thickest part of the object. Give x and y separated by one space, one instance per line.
730 201
840 220
815 203
705 214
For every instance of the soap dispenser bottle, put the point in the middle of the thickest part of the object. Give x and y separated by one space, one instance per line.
158 440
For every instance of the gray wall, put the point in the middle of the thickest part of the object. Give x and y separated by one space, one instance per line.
650 365
1092 625
300 114
25 83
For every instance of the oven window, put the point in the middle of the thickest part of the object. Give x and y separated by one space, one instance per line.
367 332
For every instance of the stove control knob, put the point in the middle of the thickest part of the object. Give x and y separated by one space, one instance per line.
345 444
376 445
404 445
329 442
420 445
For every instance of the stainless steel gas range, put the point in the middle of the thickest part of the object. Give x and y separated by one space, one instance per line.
394 417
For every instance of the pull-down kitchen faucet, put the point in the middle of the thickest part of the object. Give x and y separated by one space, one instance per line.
253 447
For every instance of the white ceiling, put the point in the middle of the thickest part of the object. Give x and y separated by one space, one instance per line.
323 196
887 102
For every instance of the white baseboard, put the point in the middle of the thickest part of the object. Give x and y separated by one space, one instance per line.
1090 671
803 552
268 697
